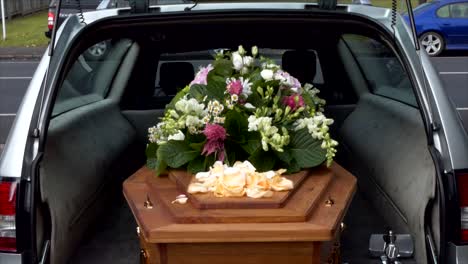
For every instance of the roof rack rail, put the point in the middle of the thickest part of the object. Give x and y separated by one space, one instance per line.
138 6
327 4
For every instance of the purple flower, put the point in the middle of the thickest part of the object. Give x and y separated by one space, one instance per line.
287 79
215 135
201 76
293 101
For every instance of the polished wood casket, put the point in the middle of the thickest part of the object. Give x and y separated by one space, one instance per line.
299 226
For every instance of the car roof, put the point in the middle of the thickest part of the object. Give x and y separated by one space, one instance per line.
383 15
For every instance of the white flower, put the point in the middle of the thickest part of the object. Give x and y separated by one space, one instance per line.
247 60
193 121
254 50
253 123
249 106
267 74
190 106
246 87
177 136
237 61
241 50
219 120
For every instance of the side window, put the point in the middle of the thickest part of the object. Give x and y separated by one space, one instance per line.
90 77
443 12
381 68
459 10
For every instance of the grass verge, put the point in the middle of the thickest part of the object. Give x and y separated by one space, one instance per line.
27 31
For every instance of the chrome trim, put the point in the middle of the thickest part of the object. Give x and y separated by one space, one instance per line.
464 217
457 254
10 258
11 160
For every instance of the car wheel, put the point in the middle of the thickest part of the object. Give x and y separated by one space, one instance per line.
97 51
432 42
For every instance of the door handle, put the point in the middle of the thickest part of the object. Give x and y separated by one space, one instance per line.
446 24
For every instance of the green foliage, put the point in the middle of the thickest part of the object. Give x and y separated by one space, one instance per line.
216 87
196 165
252 143
262 160
222 67
305 150
176 153
236 126
197 91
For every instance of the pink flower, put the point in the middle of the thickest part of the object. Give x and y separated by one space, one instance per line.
202 75
235 87
295 82
293 101
215 135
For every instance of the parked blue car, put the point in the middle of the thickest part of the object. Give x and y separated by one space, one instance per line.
442 25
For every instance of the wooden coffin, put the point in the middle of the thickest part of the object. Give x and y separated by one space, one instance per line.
299 226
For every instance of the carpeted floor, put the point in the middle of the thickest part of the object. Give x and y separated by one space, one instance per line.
114 240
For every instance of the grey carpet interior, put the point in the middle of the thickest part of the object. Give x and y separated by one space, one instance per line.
112 240
361 221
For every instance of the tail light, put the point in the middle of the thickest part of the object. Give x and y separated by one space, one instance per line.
7 215
462 180
50 20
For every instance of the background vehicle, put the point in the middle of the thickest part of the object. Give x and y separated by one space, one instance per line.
82 126
442 25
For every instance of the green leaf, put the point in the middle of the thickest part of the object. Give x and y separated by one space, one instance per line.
293 167
196 165
176 153
216 89
151 149
198 91
197 146
263 161
236 126
285 156
157 165
253 142
160 167
222 67
255 76
305 150
152 163
255 99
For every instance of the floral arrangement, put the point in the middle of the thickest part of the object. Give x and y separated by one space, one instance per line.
242 107
239 180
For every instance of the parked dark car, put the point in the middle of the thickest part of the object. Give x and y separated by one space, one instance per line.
442 25
71 7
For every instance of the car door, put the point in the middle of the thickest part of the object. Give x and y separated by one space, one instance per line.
456 25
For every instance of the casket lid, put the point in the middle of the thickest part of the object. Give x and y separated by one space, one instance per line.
305 216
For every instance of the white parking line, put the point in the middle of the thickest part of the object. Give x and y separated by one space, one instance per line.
7 114
453 73
462 108
15 78
16 62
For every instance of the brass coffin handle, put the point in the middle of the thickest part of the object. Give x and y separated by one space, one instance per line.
143 257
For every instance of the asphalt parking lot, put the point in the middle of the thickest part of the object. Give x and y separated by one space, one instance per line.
16 75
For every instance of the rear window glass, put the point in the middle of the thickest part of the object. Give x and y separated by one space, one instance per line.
177 70
381 68
443 12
